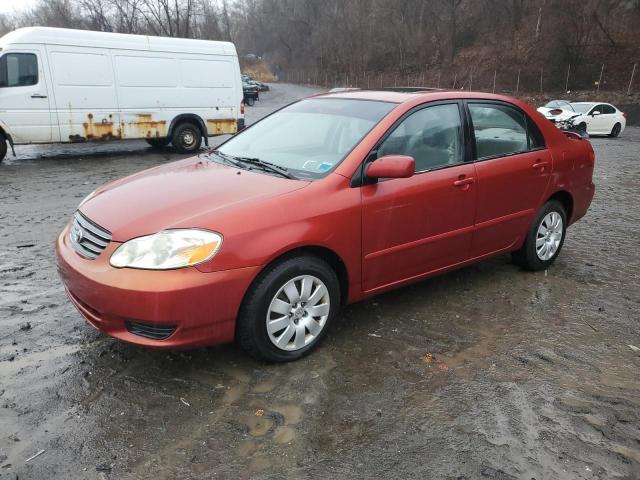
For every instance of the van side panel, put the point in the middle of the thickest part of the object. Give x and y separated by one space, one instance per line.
154 87
85 94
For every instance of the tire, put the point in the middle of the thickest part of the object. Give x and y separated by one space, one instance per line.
3 147
535 258
268 302
187 137
251 101
615 131
582 127
157 142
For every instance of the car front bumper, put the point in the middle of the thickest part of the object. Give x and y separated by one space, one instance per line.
196 309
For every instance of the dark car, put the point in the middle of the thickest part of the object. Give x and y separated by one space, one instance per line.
250 92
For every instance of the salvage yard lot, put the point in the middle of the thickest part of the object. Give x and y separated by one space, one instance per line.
485 372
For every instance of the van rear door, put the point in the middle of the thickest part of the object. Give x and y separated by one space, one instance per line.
25 96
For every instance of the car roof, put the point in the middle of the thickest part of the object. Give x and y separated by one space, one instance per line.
585 103
402 95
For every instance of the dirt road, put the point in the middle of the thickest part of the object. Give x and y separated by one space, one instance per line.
486 372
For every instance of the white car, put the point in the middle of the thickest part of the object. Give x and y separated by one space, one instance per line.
594 118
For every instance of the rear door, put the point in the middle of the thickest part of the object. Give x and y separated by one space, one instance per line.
414 226
24 95
513 170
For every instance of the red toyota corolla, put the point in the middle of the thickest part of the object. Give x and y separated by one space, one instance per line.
328 201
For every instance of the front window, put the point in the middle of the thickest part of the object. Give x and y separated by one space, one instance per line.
310 137
582 107
432 136
18 70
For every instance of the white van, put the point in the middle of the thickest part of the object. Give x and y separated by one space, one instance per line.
61 85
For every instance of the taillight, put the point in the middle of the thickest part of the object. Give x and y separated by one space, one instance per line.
624 114
555 111
242 107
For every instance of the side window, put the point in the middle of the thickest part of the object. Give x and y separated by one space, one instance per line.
598 108
608 109
18 70
536 140
498 129
432 136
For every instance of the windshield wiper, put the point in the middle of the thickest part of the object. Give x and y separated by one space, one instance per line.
271 167
228 159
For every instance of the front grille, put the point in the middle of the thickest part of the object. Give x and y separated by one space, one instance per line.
87 238
155 332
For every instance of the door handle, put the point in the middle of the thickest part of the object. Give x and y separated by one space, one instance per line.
540 164
463 183
37 95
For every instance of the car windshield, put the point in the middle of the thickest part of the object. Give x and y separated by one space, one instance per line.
310 137
559 104
582 107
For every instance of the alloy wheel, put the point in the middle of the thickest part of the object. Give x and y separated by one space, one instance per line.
549 236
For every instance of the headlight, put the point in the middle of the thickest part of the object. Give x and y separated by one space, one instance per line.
167 250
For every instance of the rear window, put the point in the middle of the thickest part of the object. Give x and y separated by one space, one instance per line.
503 130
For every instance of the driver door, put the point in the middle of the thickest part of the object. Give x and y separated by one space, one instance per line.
24 96
422 224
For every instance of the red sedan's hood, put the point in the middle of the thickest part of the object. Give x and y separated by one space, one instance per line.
184 194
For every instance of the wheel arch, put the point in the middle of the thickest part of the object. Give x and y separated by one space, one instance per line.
566 199
336 263
192 118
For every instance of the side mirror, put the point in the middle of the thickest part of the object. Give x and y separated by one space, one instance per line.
595 112
391 166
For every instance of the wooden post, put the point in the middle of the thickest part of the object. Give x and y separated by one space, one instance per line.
541 70
633 72
566 85
495 72
518 82
600 79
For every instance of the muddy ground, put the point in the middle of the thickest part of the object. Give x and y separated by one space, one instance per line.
486 372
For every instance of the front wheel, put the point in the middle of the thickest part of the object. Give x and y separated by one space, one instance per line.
288 310
187 138
544 239
615 131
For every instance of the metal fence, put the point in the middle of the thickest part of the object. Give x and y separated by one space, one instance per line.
515 82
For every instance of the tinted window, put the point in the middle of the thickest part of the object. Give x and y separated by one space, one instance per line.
499 130
18 70
608 109
432 136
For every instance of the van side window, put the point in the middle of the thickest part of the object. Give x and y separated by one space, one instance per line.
502 130
432 136
18 70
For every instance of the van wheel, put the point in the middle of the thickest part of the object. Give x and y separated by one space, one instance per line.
157 142
544 239
251 101
187 138
3 147
288 310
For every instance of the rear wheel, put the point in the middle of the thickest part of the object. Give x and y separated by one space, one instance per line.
615 131
3 147
544 239
187 138
288 310
157 142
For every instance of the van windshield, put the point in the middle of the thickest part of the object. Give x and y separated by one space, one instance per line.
311 137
